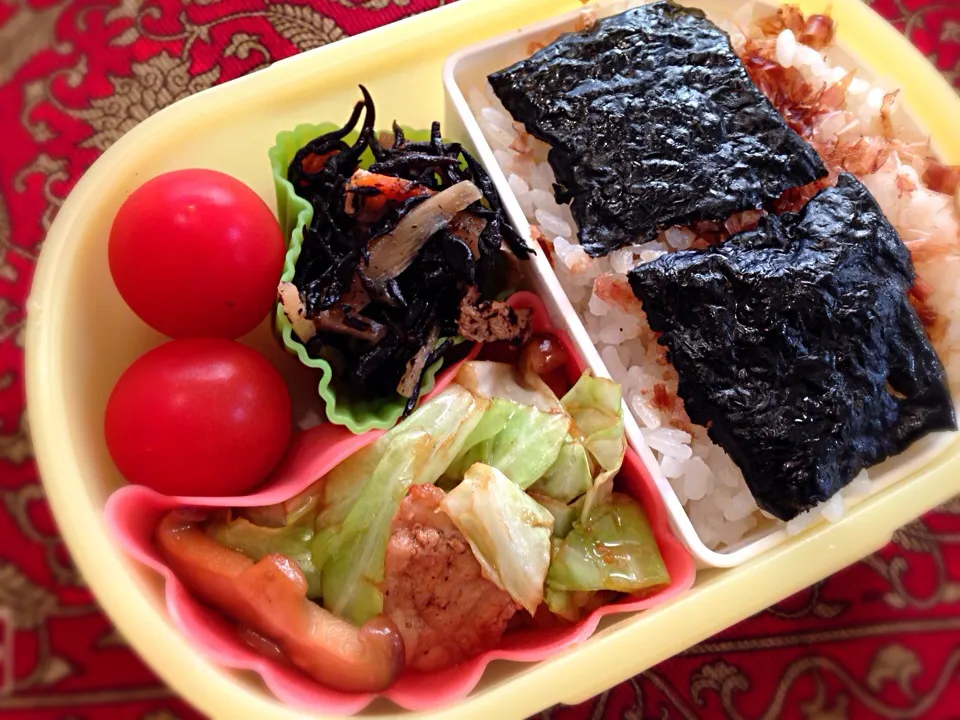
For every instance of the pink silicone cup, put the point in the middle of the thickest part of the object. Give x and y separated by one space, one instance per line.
132 514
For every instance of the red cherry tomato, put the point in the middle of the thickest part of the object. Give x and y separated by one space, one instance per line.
198 417
196 253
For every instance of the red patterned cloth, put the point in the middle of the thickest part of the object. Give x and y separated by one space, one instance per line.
880 639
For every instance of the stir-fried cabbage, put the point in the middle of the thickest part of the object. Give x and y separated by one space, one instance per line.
612 549
563 515
529 482
340 488
300 509
525 446
351 554
594 405
561 603
507 529
499 380
570 476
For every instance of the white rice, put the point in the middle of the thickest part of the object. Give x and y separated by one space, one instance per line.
707 482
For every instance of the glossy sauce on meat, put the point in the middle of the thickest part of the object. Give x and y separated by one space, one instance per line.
434 590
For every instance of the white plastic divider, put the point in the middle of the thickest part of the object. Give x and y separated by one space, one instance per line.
467 69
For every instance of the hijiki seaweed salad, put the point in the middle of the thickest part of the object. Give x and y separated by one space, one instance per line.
765 262
403 259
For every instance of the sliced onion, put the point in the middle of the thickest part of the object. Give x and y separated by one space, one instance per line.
295 311
415 365
392 253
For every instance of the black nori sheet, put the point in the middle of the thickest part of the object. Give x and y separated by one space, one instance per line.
653 122
797 347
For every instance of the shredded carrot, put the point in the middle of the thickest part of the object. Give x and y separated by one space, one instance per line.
371 207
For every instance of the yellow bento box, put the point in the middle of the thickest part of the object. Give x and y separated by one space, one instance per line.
80 337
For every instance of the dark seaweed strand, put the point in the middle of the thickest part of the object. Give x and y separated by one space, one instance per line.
307 183
296 175
411 161
491 239
412 400
408 339
326 244
367 134
435 140
379 152
327 289
483 181
325 248
369 361
398 137
433 287
395 297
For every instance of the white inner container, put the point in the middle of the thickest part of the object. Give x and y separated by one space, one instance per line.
468 69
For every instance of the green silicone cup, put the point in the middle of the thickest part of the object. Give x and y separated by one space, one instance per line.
295 214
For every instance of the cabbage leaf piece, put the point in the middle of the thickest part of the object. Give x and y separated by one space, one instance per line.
508 531
524 448
351 555
564 515
571 474
594 405
500 380
612 549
